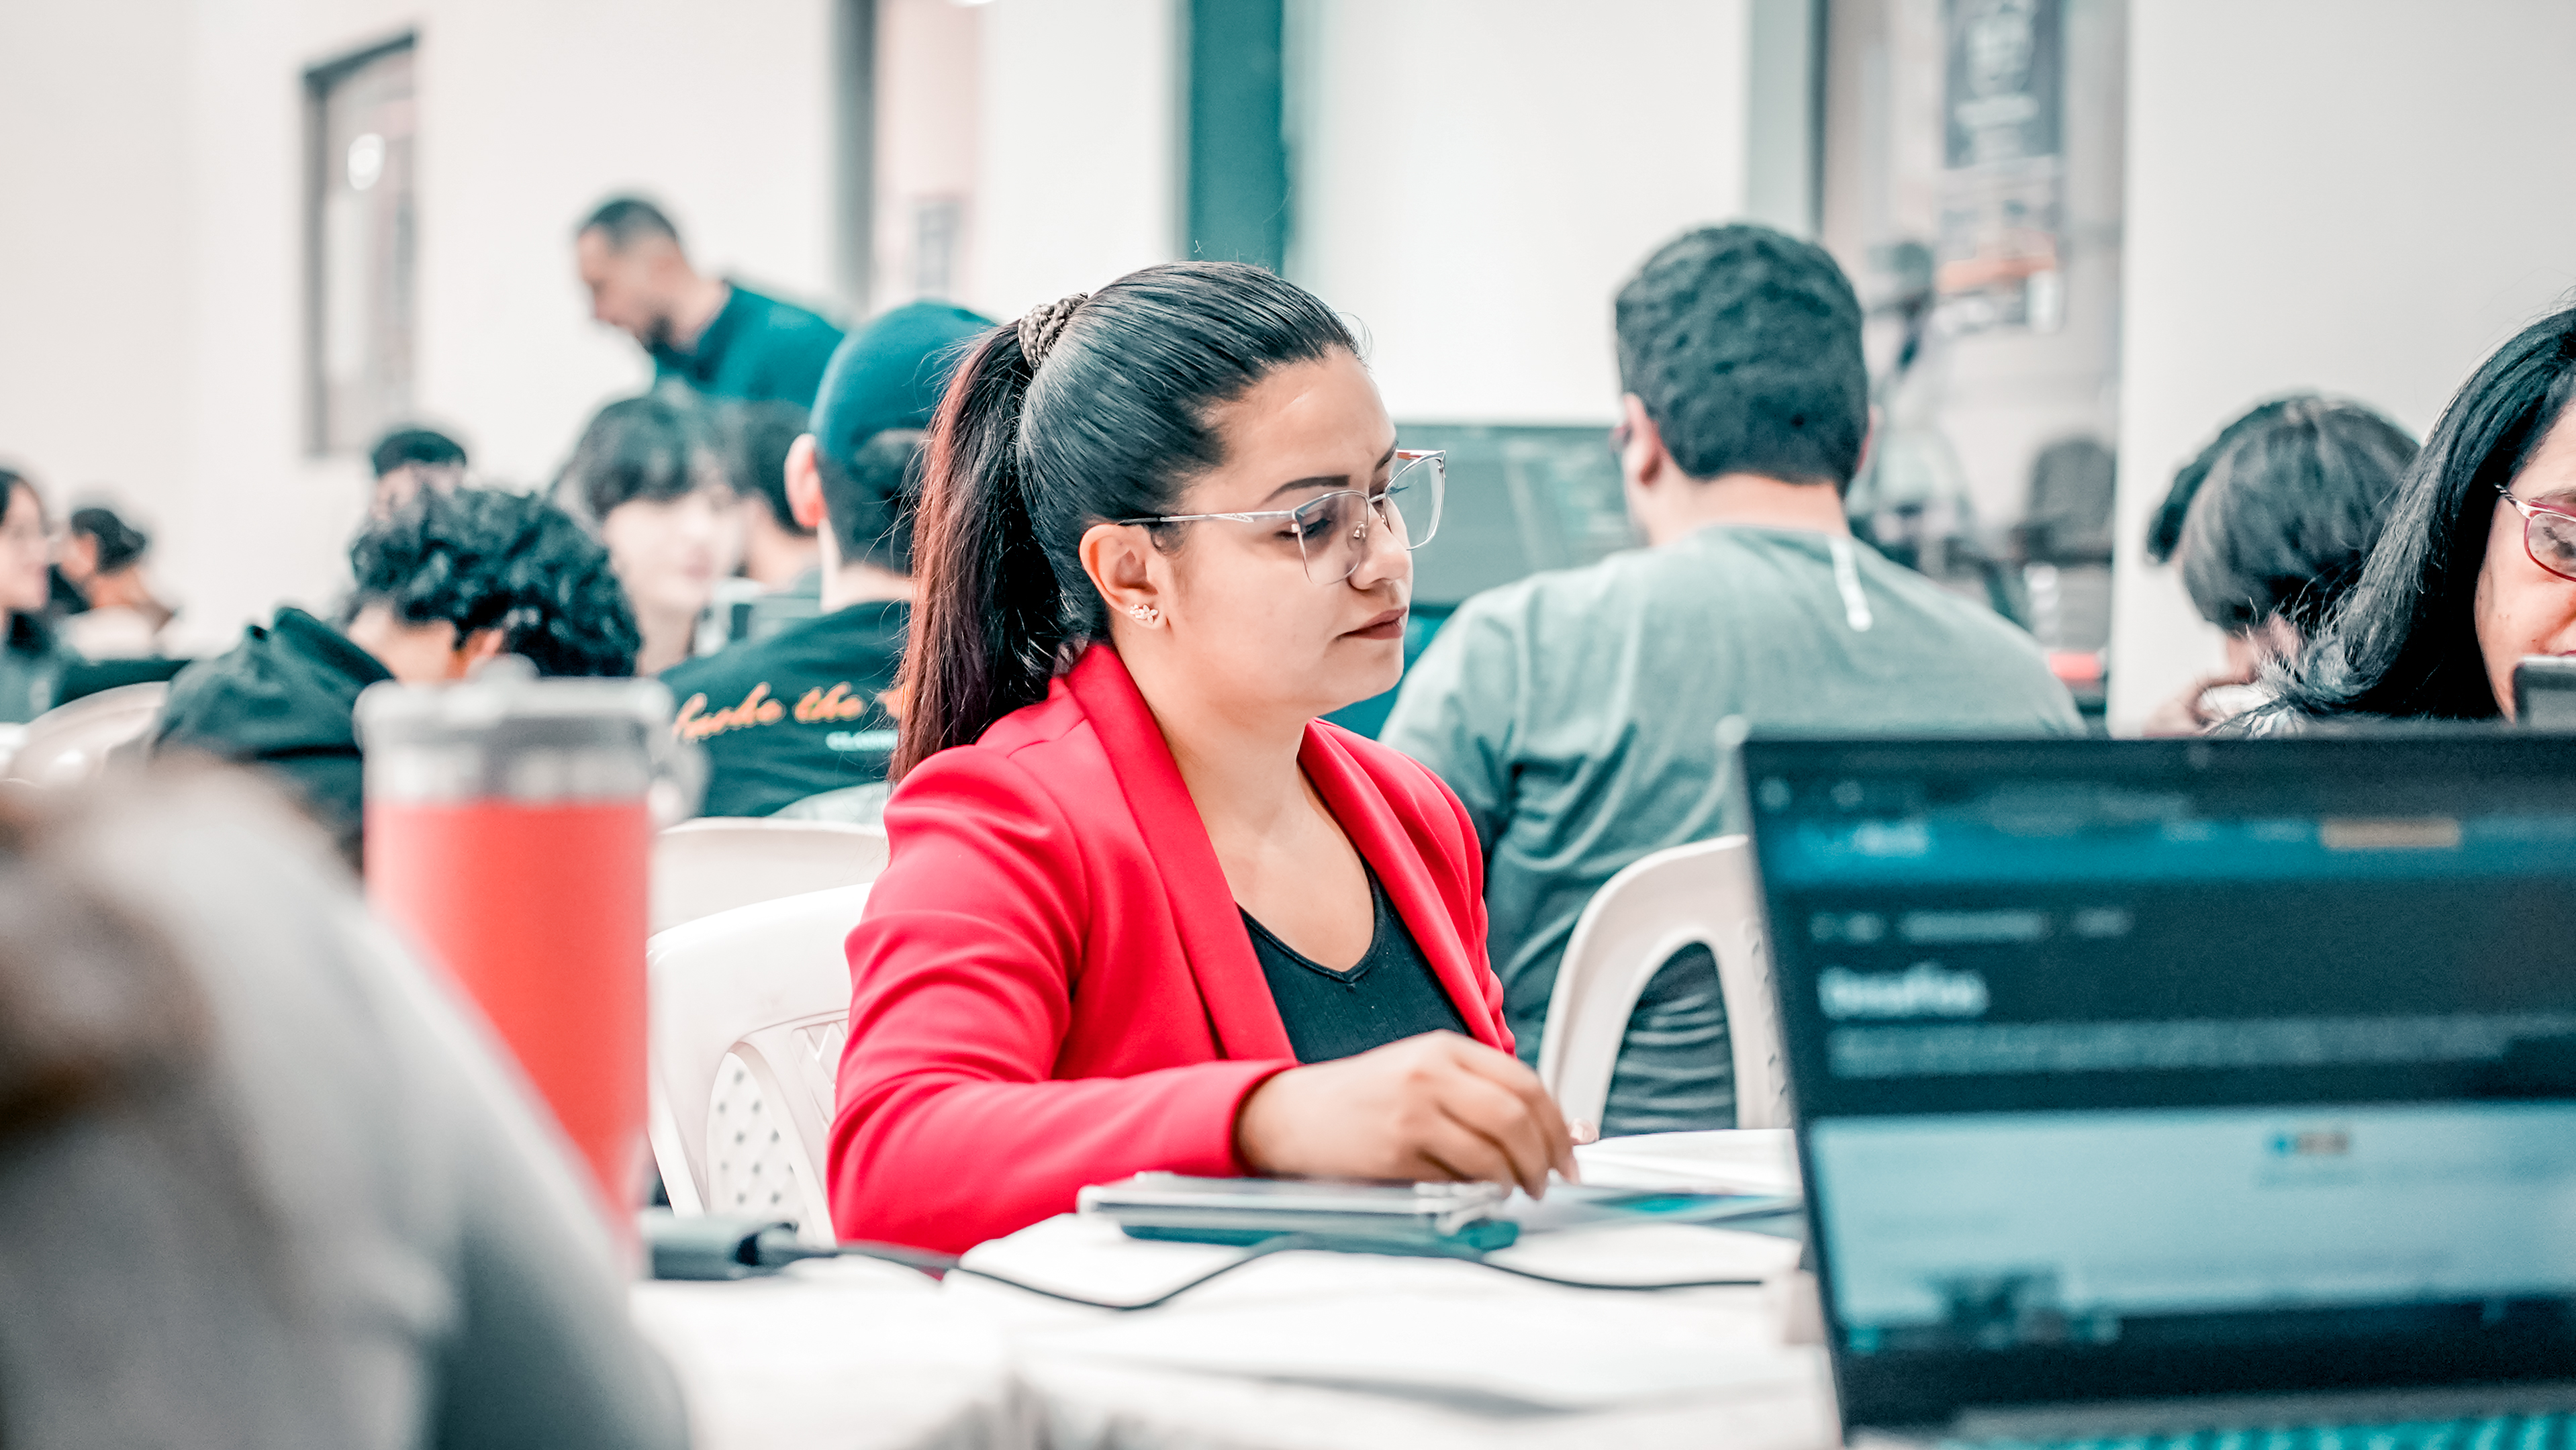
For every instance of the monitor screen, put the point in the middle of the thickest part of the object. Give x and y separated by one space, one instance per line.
2136 1068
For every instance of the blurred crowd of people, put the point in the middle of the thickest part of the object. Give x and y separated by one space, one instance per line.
741 527
1083 584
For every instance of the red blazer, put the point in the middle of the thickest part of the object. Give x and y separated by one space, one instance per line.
1052 986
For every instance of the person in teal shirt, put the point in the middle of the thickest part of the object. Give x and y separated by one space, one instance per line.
710 334
1578 713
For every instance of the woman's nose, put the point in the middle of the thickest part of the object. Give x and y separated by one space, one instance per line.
1383 555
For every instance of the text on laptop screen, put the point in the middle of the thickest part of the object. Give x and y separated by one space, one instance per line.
2116 1057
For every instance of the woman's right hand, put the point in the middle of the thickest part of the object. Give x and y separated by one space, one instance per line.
1437 1106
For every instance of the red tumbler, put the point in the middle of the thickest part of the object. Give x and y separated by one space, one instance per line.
508 831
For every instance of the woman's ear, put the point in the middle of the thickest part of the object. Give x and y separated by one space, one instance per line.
1117 557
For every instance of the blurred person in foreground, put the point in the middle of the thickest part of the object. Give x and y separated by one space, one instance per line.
647 474
408 460
1577 713
444 585
1145 910
779 555
2270 524
32 654
804 711
2475 566
262 1182
713 334
102 558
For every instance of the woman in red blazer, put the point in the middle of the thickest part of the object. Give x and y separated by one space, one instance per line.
1144 910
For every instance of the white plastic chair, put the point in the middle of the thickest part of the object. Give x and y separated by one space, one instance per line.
705 866
68 744
765 986
1704 893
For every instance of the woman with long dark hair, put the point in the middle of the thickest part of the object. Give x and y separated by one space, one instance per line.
2476 565
1145 911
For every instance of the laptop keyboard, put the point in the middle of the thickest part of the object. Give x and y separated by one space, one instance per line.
2493 1432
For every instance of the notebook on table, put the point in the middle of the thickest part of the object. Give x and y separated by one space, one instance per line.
2207 1094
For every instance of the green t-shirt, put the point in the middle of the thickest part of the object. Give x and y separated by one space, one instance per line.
757 347
1576 713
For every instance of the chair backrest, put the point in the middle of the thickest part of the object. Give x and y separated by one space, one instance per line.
705 866
69 743
1703 893
767 985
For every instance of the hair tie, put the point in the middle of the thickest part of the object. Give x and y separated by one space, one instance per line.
1043 324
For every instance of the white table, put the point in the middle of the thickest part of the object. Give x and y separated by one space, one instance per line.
1330 1350
1301 1351
845 1355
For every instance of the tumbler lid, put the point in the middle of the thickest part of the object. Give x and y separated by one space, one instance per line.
507 734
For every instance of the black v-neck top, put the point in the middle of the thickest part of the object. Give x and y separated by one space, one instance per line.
1389 995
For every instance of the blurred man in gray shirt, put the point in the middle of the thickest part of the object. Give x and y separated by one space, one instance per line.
1576 713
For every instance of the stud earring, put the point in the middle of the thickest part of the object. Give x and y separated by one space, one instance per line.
1144 613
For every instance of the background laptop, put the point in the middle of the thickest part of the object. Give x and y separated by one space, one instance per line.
2132 1073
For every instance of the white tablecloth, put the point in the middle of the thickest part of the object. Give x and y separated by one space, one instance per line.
844 1355
1300 1351
1331 1350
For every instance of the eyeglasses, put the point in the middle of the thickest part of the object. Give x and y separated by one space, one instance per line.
1331 529
2548 535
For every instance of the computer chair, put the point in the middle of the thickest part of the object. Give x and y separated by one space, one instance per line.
705 866
1701 893
69 743
749 1011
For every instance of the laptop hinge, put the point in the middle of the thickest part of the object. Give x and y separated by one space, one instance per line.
2352 1407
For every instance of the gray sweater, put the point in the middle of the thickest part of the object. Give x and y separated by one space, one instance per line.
348 1230
1576 713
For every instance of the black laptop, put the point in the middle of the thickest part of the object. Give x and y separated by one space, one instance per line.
2196 1095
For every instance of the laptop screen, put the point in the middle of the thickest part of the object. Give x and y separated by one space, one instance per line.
2148 1069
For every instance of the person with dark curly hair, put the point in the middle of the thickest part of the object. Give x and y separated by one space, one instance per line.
450 581
1577 713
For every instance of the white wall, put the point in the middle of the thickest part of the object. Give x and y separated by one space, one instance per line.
929 106
93 297
1477 177
151 274
2359 196
1075 150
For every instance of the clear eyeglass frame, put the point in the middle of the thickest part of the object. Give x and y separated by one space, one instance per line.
2547 533
1333 528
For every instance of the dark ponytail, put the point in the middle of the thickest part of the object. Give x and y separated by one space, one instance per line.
1113 421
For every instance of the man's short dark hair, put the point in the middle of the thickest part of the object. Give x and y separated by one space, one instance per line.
118 542
656 447
870 501
1744 345
2283 508
2164 531
625 220
482 558
757 436
425 446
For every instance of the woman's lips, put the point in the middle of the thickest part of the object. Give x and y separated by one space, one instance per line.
1389 625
